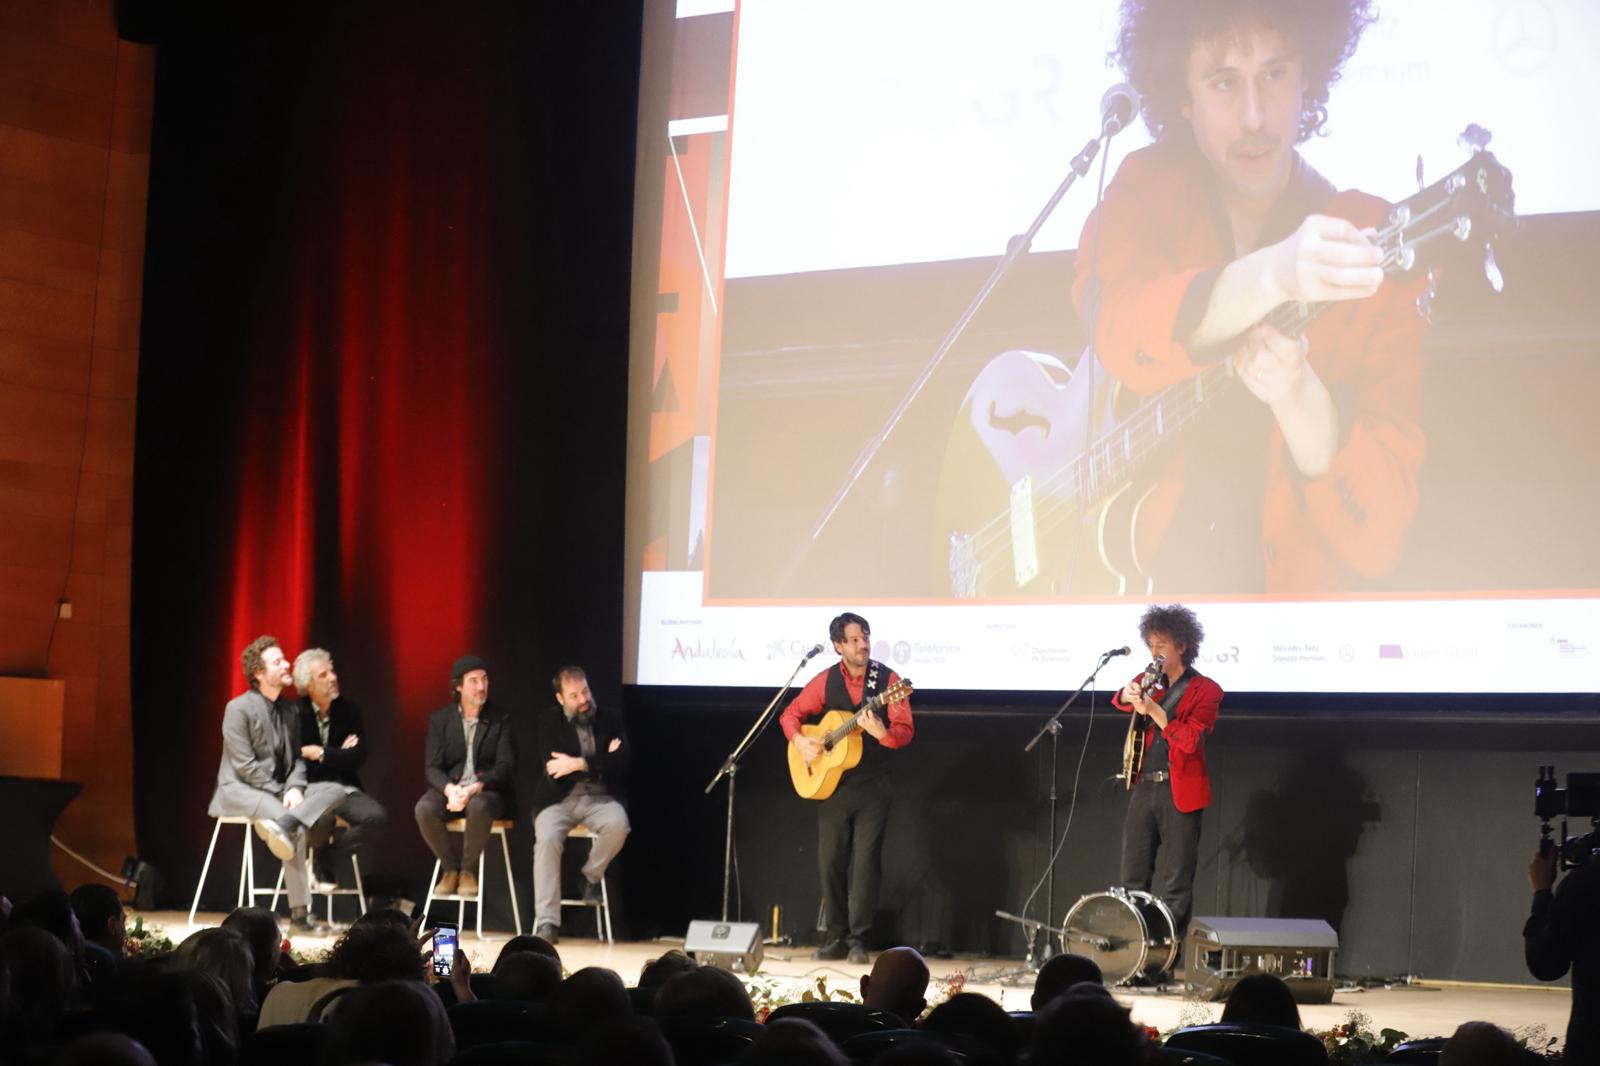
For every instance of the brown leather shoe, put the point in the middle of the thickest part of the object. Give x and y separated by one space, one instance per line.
468 885
448 883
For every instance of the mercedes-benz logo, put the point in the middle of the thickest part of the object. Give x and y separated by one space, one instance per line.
1524 36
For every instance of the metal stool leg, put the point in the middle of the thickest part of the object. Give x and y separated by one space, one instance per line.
204 870
479 900
277 887
361 892
604 912
247 871
433 882
511 882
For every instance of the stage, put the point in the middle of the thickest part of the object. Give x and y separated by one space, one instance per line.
1426 1008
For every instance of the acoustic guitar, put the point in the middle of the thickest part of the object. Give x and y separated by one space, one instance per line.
1042 457
842 745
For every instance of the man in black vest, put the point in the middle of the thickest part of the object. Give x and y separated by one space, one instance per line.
334 749
469 762
851 822
585 775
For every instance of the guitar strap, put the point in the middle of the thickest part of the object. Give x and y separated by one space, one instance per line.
837 697
1175 693
877 675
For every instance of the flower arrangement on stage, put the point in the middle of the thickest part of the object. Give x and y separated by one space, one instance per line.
1355 1042
768 993
146 941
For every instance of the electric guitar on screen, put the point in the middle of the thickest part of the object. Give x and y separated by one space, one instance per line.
842 745
1036 461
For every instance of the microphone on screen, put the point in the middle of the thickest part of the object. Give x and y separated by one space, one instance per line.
1114 652
816 650
1118 107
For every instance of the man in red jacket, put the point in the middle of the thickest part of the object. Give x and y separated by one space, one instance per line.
1304 479
1161 833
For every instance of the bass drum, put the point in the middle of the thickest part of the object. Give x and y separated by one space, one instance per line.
1127 932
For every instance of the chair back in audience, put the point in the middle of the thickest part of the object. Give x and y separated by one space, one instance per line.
1426 1050
278 1044
1252 1045
709 1041
840 1021
644 1001
482 985
1177 1056
496 1021
863 1048
514 1053
1024 1020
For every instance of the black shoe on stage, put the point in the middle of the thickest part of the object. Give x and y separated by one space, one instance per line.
833 950
551 933
308 924
591 893
858 954
280 839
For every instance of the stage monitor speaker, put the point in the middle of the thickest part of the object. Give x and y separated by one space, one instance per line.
1219 951
722 944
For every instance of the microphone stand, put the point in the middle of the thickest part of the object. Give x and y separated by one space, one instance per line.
730 770
1053 727
1016 248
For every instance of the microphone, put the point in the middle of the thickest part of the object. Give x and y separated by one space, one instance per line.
1118 107
816 650
1114 652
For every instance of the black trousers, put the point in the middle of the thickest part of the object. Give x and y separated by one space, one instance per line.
335 846
850 830
1161 848
481 812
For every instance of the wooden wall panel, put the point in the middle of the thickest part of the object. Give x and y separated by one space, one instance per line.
75 109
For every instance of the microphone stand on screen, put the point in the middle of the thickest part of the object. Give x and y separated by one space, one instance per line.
1118 107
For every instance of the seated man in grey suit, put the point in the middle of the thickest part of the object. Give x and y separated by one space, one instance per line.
262 775
585 777
469 763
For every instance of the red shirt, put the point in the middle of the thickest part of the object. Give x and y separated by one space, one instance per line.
810 704
1190 721
1158 235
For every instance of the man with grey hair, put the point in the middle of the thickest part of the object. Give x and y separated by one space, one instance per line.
262 775
331 743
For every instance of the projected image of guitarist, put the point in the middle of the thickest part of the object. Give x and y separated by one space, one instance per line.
1218 259
845 762
1205 233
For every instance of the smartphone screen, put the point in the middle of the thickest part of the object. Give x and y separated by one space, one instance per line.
444 948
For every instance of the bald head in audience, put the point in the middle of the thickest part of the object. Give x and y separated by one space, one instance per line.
898 983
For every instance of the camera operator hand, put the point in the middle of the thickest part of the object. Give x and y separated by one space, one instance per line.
1542 870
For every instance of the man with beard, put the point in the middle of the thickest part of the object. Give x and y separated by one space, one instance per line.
263 777
1304 480
469 762
332 746
851 823
585 777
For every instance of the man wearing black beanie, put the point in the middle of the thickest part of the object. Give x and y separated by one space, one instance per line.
469 762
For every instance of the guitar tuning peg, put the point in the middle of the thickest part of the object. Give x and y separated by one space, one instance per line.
1491 269
1474 138
1425 301
1420 183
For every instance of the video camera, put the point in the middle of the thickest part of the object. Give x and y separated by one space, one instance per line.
1580 799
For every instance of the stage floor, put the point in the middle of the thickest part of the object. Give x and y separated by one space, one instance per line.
1427 1008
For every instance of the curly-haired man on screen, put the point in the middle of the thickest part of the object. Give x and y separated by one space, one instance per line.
1305 480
